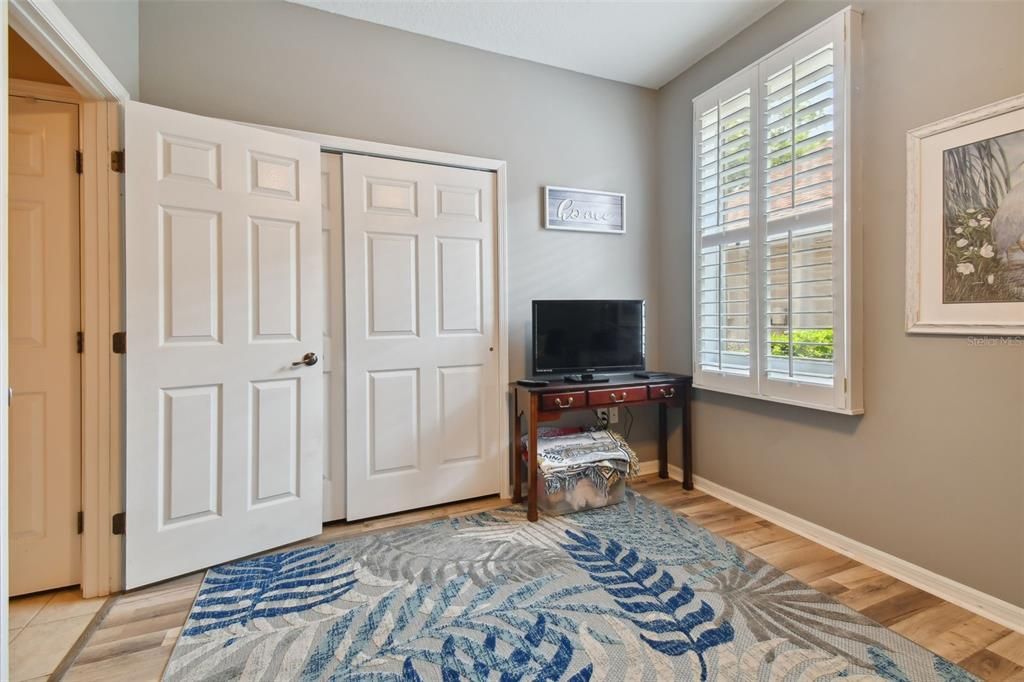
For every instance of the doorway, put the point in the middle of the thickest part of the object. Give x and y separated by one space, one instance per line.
45 315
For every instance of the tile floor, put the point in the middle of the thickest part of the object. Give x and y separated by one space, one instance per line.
43 629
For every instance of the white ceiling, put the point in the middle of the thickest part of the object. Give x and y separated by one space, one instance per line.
643 43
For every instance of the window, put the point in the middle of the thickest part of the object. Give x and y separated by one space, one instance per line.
775 235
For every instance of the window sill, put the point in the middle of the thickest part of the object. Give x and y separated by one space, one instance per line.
785 401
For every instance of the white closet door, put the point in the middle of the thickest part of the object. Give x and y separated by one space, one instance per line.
223 274
334 339
421 333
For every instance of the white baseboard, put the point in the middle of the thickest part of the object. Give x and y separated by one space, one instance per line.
985 605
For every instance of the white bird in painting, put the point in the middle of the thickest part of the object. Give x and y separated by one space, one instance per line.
1008 225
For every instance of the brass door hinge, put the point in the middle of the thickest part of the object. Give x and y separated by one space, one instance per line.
119 343
117 524
117 161
80 342
79 161
81 522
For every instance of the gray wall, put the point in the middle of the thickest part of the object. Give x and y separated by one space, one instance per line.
934 471
111 27
292 66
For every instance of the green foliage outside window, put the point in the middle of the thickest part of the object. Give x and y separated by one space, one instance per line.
780 344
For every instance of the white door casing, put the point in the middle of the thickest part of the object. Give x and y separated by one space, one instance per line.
45 315
334 339
224 284
421 335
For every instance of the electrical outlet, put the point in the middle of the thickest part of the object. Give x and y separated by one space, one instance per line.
608 415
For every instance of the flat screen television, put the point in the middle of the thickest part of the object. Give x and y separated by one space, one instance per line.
587 337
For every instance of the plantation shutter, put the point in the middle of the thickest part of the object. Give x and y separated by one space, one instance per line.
772 241
801 138
725 319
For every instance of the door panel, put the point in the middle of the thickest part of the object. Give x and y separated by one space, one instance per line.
420 288
394 421
224 285
275 274
275 439
190 452
45 314
190 269
460 285
460 411
391 284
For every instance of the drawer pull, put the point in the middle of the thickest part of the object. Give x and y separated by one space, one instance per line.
670 393
558 403
614 399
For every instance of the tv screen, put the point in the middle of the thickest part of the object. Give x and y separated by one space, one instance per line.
588 336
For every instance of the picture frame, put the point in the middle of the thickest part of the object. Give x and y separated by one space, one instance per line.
584 210
965 205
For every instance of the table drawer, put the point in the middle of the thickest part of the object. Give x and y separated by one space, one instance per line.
563 401
614 396
660 391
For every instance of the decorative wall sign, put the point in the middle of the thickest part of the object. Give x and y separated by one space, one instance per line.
584 209
965 223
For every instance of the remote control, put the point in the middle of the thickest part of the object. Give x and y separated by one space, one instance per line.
531 383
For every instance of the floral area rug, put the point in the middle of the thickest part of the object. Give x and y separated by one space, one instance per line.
628 592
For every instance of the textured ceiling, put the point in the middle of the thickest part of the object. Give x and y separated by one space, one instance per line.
643 43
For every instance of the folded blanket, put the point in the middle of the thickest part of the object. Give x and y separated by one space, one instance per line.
566 456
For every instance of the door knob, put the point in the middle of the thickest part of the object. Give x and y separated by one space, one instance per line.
309 359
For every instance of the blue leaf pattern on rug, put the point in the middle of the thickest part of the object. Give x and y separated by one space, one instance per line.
268 586
632 584
631 591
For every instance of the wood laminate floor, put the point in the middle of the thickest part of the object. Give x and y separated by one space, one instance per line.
133 641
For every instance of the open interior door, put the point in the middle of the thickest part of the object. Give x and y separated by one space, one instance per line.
224 327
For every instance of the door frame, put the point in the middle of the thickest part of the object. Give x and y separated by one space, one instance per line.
100 98
340 145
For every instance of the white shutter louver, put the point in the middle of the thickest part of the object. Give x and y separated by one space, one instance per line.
772 243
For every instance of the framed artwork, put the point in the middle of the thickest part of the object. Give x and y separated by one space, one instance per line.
965 223
584 210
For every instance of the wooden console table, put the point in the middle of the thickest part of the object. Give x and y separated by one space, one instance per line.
548 403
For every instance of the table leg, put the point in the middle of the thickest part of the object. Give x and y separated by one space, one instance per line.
662 440
687 443
531 475
517 438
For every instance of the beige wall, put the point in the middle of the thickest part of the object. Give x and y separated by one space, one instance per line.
292 66
934 471
26 64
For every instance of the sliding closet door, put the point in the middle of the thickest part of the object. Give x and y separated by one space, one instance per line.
421 333
224 322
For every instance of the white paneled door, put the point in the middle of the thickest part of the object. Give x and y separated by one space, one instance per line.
45 314
224 333
421 335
